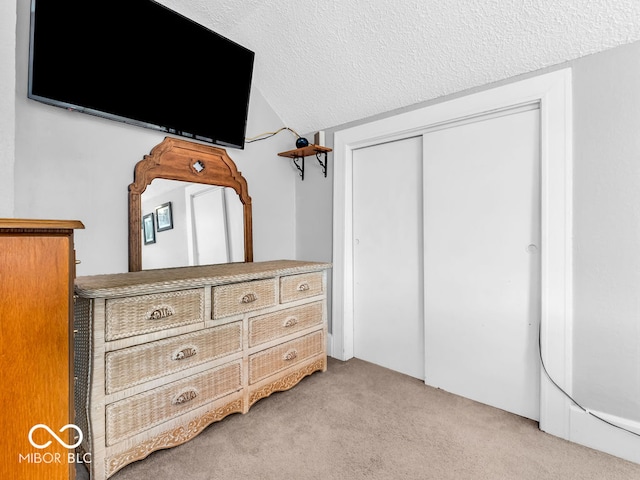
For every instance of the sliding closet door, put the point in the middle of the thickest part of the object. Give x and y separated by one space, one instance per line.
482 262
387 255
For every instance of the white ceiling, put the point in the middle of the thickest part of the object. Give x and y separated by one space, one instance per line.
321 64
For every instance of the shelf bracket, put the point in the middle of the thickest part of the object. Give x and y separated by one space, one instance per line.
299 166
322 164
299 154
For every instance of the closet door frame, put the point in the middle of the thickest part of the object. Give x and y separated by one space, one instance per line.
552 91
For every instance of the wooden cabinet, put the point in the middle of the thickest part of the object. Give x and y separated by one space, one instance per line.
37 267
161 354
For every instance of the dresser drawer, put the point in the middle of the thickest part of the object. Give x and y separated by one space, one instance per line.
135 365
285 355
142 314
243 297
136 414
264 328
295 287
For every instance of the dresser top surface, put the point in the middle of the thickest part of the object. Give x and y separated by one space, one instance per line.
167 279
37 224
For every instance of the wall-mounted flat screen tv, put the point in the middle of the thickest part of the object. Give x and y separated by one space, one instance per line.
139 62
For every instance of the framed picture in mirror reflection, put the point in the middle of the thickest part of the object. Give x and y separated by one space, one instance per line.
148 229
164 217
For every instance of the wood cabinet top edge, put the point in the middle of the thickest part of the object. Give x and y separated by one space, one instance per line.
32 223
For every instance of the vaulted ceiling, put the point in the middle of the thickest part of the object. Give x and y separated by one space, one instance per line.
326 63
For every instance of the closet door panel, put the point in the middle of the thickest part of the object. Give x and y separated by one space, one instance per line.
387 236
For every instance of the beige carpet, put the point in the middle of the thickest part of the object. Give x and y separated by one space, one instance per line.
361 421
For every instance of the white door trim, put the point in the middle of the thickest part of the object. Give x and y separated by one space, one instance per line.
553 93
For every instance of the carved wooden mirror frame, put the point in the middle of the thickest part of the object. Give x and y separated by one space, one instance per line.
175 159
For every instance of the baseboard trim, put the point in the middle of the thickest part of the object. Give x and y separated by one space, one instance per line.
587 430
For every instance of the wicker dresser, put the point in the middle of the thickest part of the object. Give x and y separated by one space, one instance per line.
161 354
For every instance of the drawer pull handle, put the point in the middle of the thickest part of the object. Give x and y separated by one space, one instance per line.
184 353
290 355
160 312
185 397
249 297
303 287
290 322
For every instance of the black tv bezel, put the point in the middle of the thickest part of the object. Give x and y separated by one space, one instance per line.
133 121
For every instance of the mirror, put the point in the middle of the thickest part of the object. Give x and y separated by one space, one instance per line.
183 182
205 226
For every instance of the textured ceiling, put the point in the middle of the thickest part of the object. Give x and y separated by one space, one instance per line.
325 63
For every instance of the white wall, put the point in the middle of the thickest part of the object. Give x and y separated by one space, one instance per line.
313 210
170 248
607 231
75 166
7 105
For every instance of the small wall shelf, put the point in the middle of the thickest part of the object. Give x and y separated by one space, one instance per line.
298 155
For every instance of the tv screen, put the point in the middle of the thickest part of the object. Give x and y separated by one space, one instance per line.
138 62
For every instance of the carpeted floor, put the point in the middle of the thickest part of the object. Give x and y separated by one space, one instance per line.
361 421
